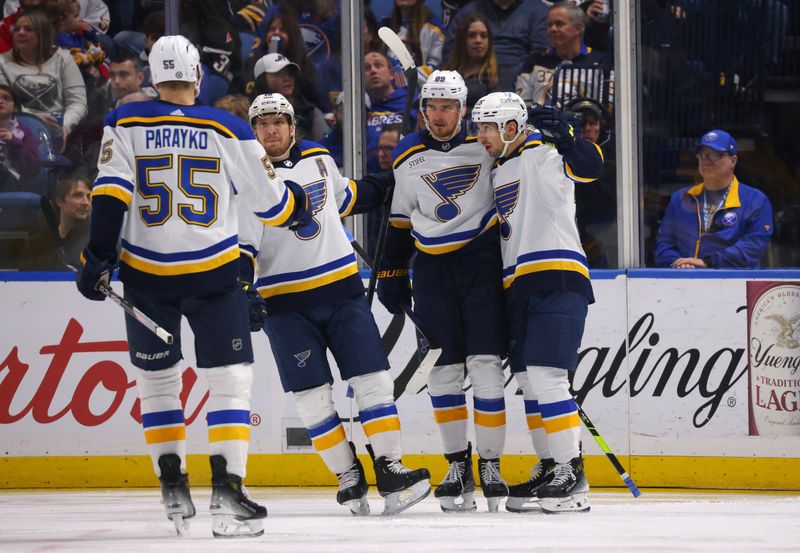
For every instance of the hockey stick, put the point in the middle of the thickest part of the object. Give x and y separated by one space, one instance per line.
107 291
419 378
393 42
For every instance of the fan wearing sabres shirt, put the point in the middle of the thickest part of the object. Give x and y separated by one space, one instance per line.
546 280
315 302
443 210
169 172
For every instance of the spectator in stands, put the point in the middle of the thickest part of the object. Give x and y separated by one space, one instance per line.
386 102
719 223
566 24
518 27
126 76
72 199
84 46
19 147
390 137
275 73
93 13
474 58
51 7
421 32
236 104
334 141
45 79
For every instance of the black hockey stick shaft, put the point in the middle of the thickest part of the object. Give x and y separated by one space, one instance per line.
107 291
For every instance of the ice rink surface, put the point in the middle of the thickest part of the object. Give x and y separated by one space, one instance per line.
309 520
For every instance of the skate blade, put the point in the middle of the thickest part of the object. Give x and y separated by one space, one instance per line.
397 502
181 525
576 503
228 526
467 504
494 503
358 507
523 505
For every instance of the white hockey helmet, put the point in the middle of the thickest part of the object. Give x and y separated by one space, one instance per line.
175 58
446 85
500 108
271 104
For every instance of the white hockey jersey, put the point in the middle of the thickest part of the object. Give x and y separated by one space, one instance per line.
535 196
443 191
177 169
314 264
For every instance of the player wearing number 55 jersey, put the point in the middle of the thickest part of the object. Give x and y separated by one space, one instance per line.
444 209
315 303
169 172
546 279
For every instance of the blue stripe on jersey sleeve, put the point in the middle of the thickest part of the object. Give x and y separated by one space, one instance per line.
127 185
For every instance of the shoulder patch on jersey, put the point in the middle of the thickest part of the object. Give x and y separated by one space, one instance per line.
506 198
449 184
404 149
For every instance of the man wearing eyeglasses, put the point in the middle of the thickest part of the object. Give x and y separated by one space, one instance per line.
719 223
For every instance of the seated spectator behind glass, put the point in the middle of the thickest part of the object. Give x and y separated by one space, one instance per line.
53 8
473 57
236 104
386 102
19 147
566 24
421 32
275 73
718 223
45 79
390 137
334 141
126 76
83 44
73 206
93 13
205 24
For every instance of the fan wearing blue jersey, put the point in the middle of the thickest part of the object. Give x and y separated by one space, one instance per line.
546 281
443 212
315 302
169 172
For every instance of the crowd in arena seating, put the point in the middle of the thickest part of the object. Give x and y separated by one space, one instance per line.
65 64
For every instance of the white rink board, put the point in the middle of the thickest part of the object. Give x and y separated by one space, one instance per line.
87 409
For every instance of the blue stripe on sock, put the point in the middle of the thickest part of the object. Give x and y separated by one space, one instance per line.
489 405
377 412
531 406
558 408
162 418
325 426
228 416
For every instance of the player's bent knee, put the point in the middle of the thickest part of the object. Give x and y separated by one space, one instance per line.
315 404
230 380
486 375
544 379
446 380
166 382
372 389
524 384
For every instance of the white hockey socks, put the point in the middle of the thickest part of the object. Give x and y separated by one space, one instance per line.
316 410
559 411
229 414
445 386
162 414
374 393
486 375
534 418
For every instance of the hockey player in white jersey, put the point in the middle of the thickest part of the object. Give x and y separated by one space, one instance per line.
546 280
315 302
443 211
168 174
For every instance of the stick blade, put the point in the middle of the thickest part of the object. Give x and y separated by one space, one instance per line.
395 44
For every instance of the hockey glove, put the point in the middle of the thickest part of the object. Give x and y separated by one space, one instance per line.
92 274
256 307
394 286
556 128
303 210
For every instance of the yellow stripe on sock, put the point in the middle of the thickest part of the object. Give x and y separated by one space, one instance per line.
225 433
534 422
329 440
493 419
562 423
450 415
382 425
161 435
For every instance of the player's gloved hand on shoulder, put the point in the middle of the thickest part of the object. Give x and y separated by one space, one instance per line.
256 307
303 211
92 274
394 286
555 126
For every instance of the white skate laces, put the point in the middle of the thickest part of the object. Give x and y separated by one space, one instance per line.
563 474
349 478
454 473
490 473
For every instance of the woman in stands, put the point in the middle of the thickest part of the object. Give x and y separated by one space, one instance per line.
45 79
422 33
473 57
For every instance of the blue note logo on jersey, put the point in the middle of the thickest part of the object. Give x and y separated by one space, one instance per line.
506 198
317 193
449 184
302 357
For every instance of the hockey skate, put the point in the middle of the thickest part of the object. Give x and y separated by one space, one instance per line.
568 490
522 497
353 488
459 482
233 513
492 484
175 492
400 487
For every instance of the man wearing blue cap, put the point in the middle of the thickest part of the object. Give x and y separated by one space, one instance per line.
718 223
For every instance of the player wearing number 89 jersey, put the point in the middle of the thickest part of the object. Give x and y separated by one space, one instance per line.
169 174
